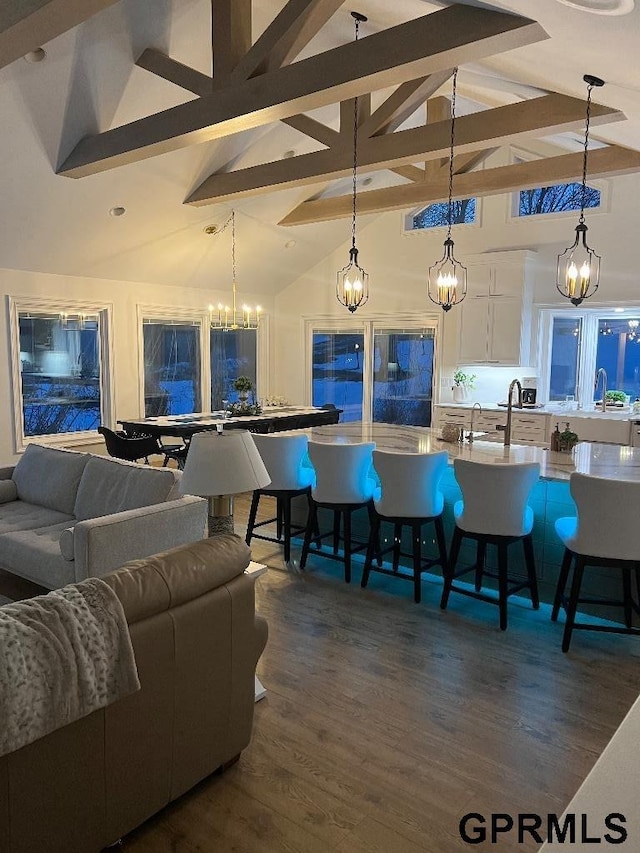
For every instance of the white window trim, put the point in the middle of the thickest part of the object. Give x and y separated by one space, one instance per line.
512 198
38 305
368 327
200 317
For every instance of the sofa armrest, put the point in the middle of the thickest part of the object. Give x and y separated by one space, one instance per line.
106 543
6 471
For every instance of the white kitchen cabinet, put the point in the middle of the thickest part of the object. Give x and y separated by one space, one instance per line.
602 430
496 315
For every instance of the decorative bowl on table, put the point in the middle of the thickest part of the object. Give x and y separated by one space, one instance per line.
243 410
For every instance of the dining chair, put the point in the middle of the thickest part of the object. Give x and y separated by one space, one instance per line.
410 497
283 457
130 448
493 511
604 534
343 486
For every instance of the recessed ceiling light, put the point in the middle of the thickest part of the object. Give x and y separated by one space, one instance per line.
117 211
210 229
367 181
36 55
601 7
290 244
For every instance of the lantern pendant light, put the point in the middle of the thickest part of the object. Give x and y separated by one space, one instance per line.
448 278
352 282
578 273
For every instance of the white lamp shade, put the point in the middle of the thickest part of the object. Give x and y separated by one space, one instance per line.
225 463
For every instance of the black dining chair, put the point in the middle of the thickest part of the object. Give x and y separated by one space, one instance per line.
130 448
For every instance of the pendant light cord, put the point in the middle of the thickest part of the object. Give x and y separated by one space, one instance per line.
355 155
583 197
453 139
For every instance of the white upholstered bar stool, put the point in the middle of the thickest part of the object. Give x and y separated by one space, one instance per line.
493 511
283 457
604 533
343 485
411 496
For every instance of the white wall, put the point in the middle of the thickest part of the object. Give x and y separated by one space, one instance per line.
125 297
397 264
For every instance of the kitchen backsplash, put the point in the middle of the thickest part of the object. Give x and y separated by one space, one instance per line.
491 385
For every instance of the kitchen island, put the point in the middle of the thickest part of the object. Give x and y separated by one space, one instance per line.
550 498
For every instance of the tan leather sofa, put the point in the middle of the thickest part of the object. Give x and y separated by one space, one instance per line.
196 639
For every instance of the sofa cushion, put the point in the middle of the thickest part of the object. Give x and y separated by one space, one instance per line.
49 477
67 548
35 555
21 515
108 486
8 491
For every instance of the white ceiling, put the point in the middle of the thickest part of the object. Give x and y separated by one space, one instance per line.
89 83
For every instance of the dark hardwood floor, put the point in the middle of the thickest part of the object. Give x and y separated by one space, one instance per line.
385 721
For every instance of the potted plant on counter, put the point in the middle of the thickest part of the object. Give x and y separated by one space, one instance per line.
463 383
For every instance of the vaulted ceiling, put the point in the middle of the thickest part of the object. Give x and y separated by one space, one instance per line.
170 171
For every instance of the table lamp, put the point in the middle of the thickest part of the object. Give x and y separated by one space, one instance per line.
220 465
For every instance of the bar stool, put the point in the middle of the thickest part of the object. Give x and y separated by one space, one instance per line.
410 496
343 486
605 533
493 511
283 456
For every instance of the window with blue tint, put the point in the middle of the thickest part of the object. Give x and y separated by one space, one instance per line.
338 364
555 199
60 372
565 357
618 351
436 215
403 376
171 368
233 354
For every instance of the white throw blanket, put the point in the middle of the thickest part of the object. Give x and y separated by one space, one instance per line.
62 656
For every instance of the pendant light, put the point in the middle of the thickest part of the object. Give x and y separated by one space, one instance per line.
227 318
352 284
578 273
448 278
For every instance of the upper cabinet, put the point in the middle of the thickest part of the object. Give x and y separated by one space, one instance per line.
496 315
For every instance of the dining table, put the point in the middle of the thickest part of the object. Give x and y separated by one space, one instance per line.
272 419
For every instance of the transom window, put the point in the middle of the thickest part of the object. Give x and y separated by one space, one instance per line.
436 215
555 199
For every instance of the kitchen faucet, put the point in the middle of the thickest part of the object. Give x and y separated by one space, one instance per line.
470 434
601 372
507 427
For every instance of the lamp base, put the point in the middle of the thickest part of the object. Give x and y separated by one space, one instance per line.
220 515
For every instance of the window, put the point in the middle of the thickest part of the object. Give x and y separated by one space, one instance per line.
171 367
555 199
233 354
378 372
583 342
60 359
437 215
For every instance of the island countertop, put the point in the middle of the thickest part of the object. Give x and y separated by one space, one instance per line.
601 460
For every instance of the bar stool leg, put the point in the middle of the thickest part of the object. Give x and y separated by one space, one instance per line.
374 538
530 560
347 546
278 518
397 541
286 515
453 559
562 583
502 584
481 554
626 595
336 531
442 544
255 500
417 559
312 525
572 606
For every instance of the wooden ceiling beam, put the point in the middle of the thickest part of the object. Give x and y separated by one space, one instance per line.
404 102
422 46
161 65
546 115
603 162
230 36
411 173
27 26
290 31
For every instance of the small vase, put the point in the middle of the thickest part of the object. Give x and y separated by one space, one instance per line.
244 396
460 393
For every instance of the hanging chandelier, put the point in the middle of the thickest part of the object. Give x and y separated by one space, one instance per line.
447 277
352 284
578 273
231 318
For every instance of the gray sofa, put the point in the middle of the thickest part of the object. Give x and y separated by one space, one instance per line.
65 516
